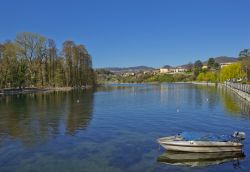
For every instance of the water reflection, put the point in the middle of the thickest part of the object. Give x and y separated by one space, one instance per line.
80 111
200 159
233 103
34 118
66 134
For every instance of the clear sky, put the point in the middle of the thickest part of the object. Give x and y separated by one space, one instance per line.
135 32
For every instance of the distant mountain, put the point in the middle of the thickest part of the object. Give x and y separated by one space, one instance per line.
128 69
220 59
167 66
223 59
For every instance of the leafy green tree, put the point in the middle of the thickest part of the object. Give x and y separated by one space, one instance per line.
1 65
189 67
245 65
78 64
244 57
60 74
244 54
233 71
51 62
209 76
32 47
68 48
210 63
216 65
10 65
32 60
197 67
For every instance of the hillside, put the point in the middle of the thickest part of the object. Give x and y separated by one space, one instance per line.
167 66
220 59
127 69
223 59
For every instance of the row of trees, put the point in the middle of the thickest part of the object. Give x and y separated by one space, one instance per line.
236 71
32 60
233 71
244 57
211 65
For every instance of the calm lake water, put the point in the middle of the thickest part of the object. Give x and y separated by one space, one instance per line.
115 127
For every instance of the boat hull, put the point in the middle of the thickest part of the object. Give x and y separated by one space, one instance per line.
173 144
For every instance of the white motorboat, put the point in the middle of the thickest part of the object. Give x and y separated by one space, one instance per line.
203 143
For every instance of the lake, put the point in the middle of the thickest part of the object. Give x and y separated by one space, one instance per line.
115 127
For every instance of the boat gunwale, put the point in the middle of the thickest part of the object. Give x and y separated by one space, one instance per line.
194 145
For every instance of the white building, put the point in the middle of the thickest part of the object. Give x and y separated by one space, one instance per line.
225 64
173 70
179 70
164 70
204 67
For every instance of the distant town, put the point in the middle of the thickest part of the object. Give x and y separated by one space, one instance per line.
222 61
200 71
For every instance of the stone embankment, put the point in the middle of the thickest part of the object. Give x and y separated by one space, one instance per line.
243 90
203 83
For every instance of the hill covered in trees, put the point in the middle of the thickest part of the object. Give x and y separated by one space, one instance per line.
127 69
223 59
211 70
32 60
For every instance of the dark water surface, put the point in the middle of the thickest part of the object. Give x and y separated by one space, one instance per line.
115 127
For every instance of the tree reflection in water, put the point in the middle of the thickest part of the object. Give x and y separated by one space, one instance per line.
234 103
34 118
80 111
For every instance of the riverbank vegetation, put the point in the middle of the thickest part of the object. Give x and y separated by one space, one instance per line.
238 71
32 60
209 71
110 77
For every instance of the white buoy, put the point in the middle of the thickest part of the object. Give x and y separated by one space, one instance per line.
78 101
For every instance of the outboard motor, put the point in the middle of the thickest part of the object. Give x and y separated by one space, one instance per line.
239 135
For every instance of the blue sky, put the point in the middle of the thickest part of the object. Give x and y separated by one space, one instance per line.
135 32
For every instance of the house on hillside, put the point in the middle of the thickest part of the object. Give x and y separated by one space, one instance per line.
156 71
222 61
179 69
128 74
204 66
164 70
172 70
153 72
225 64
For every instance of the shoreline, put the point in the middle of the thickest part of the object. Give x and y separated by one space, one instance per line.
29 90
203 83
199 83
240 93
178 82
